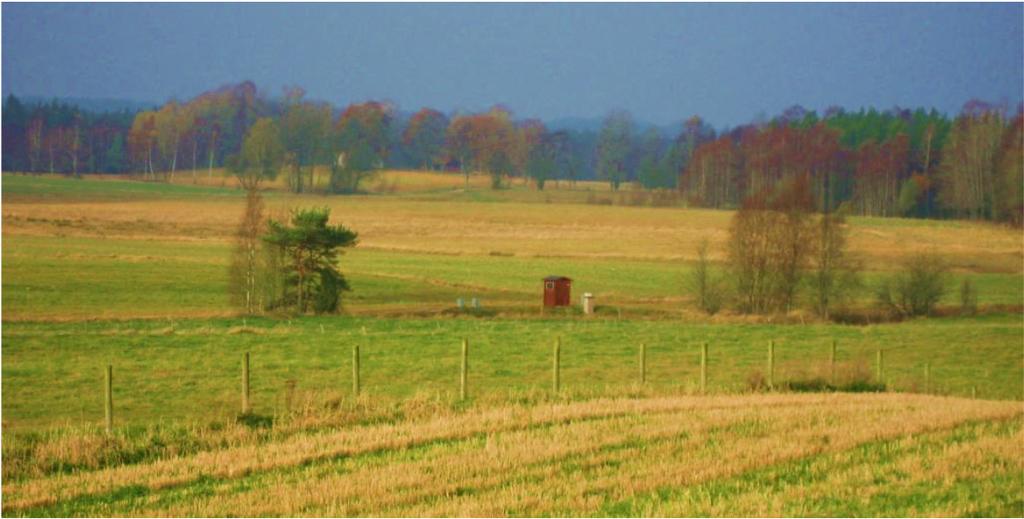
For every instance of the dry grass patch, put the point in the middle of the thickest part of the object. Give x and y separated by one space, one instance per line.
521 226
552 459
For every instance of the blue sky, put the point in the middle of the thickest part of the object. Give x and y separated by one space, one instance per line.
662 62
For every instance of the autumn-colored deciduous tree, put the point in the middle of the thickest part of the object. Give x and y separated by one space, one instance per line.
484 142
880 171
770 244
1010 173
494 144
424 137
262 154
171 122
360 145
694 133
306 133
219 120
457 145
711 174
255 284
142 139
968 168
528 136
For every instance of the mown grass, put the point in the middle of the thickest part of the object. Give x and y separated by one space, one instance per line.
887 454
973 482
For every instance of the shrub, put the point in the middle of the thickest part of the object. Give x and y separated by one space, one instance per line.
756 381
345 180
862 386
818 385
916 288
853 376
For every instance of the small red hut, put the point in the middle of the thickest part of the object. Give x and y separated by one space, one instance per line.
556 290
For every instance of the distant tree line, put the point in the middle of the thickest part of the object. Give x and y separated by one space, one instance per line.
59 138
898 162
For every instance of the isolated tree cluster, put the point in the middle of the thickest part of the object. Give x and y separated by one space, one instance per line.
781 253
288 264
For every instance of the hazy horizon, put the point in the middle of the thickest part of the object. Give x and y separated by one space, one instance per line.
729 63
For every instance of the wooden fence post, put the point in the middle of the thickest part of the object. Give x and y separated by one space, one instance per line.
879 370
927 377
643 363
771 365
555 365
465 367
974 392
703 368
289 394
246 407
108 400
832 365
355 370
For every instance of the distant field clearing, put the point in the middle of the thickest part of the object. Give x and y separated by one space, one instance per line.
513 221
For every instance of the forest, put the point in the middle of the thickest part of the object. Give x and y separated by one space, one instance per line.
896 162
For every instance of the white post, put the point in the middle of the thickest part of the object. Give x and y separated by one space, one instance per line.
588 303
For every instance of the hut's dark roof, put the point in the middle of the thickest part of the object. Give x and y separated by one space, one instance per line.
556 278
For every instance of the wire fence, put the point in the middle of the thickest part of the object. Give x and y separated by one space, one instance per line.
803 374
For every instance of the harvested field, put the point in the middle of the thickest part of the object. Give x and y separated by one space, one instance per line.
738 455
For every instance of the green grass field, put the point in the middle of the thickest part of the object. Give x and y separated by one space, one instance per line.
89 277
189 369
134 275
